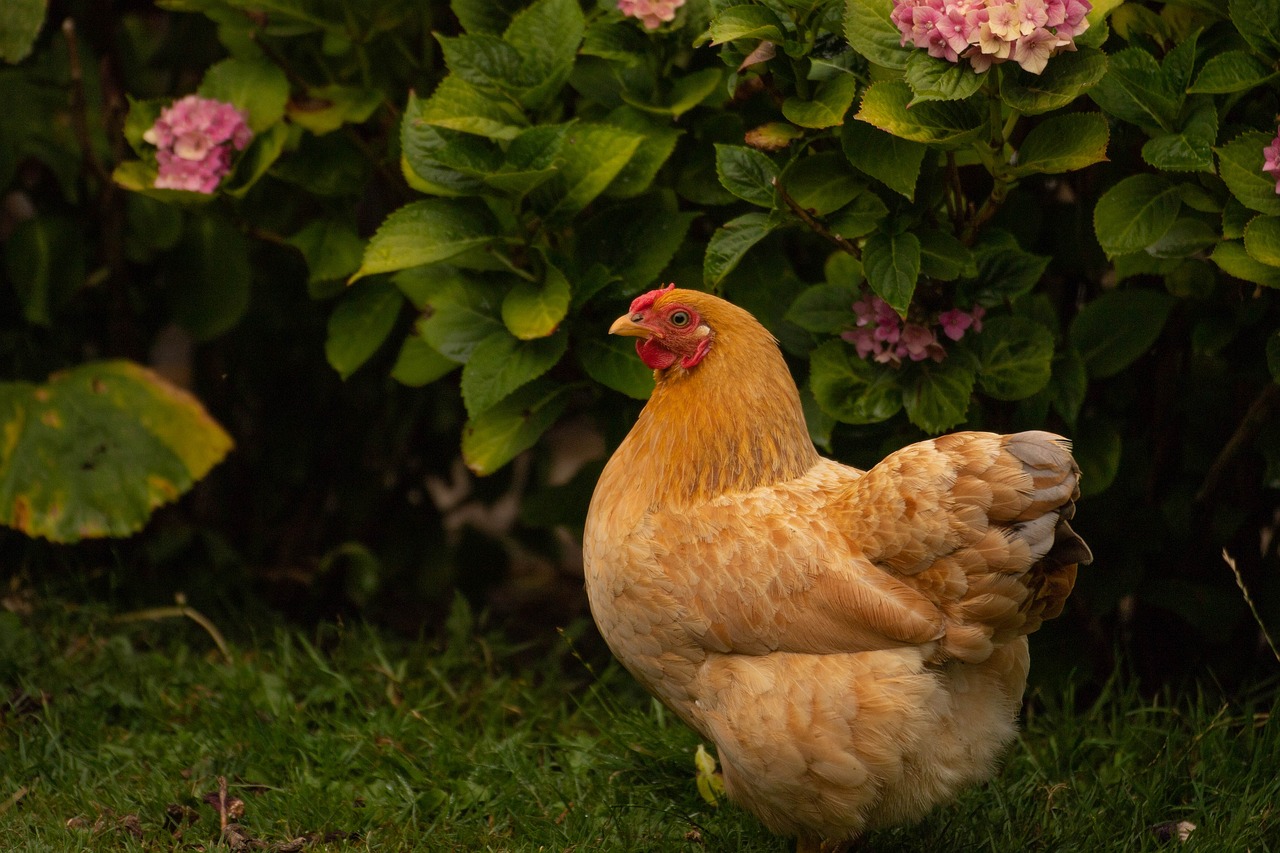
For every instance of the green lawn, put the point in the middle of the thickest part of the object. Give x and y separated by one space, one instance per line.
116 736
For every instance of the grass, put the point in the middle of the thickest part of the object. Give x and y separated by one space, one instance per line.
141 736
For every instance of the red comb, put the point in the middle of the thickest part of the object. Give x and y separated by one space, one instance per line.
645 300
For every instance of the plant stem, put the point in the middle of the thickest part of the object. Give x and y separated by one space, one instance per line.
817 227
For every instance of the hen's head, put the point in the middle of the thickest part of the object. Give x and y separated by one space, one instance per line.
672 326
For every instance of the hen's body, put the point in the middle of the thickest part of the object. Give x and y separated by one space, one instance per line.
853 642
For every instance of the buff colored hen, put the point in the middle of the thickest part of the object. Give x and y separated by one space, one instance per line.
854 643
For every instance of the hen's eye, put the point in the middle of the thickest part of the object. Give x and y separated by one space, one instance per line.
680 318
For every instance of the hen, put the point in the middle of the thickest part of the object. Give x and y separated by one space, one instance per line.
854 643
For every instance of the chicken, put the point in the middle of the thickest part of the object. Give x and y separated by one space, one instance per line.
854 643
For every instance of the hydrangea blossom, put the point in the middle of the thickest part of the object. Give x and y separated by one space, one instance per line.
986 32
653 13
194 138
1271 160
881 335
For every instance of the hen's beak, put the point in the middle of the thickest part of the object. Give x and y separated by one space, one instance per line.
627 325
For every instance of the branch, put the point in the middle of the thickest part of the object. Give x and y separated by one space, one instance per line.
181 609
817 227
1259 413
79 115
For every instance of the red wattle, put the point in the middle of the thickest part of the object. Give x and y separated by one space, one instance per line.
654 354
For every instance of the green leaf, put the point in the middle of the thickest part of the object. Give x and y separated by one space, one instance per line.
828 105
20 23
257 87
938 398
634 240
484 61
822 183
687 92
1005 269
594 154
535 309
656 145
1097 448
1135 213
1262 240
331 247
873 34
460 312
327 108
485 16
1234 259
457 105
1240 165
859 217
1231 71
547 35
428 231
1190 149
261 155
1063 80
419 363
1112 331
935 79
44 258
500 364
892 266
151 226
209 277
1187 236
96 449
491 439
1259 22
1064 143
850 389
360 323
1069 384
824 308
730 242
893 161
745 22
1137 90
947 124
1015 356
746 173
613 363
945 258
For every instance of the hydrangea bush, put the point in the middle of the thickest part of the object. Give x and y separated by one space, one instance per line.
992 214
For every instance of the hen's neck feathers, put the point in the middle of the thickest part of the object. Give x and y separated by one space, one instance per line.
730 424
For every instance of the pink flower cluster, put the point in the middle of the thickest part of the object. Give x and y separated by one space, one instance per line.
1271 160
193 139
986 32
880 334
654 13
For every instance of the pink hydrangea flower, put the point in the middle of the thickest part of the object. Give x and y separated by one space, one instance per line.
652 13
986 32
881 335
194 138
1271 160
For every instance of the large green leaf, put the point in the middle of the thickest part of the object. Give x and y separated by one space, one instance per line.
534 309
20 22
1015 355
1190 148
547 34
459 311
428 231
96 449
1262 239
935 79
1137 90
827 106
500 364
634 240
893 161
613 363
1005 269
938 397
1064 143
594 154
947 124
656 144
745 22
822 183
824 308
944 257
746 173
1259 22
892 266
493 438
730 242
1234 259
1231 71
1064 80
419 363
255 86
1240 165
871 33
458 105
1112 331
1135 213
850 389
331 247
360 323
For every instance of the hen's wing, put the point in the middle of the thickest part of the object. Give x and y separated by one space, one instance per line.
963 540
